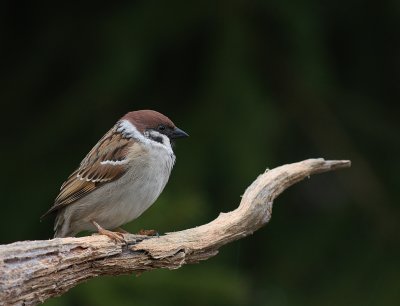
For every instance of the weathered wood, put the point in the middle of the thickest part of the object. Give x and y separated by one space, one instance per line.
33 271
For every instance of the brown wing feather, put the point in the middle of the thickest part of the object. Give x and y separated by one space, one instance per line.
91 173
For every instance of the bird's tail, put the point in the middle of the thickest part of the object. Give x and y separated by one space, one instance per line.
61 227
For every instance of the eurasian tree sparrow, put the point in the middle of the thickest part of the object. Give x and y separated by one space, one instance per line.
120 178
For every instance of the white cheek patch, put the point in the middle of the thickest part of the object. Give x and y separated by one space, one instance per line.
163 143
157 136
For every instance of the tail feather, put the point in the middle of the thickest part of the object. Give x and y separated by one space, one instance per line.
61 227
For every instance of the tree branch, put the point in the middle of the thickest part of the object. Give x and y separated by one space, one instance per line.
33 271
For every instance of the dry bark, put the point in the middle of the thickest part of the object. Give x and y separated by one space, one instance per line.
33 271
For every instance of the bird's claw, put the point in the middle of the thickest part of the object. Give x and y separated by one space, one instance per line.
117 237
151 232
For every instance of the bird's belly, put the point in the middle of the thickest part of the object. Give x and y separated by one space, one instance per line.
119 202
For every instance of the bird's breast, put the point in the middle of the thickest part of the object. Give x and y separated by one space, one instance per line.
126 198
144 181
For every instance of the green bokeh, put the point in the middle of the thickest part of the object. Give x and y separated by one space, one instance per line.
256 84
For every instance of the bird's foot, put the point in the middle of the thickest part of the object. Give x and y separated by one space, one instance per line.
144 232
116 236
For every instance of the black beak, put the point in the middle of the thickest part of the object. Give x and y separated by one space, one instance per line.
178 133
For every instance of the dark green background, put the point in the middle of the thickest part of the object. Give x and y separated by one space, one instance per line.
256 84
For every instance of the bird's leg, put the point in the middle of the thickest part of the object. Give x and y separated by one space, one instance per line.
119 237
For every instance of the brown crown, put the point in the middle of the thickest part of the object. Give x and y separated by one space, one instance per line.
147 119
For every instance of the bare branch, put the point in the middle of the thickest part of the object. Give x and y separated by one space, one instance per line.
33 271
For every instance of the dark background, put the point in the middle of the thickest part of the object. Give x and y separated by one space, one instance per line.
256 84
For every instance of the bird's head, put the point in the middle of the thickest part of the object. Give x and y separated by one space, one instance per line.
154 125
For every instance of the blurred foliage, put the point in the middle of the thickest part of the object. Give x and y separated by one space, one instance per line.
256 84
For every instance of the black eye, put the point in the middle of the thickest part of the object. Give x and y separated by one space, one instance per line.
161 127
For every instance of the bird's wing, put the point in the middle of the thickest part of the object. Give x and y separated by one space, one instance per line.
105 163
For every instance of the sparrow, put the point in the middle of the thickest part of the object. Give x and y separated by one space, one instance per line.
120 178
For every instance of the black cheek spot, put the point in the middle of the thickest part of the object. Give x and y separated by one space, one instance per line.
158 139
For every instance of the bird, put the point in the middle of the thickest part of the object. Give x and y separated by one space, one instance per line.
120 178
